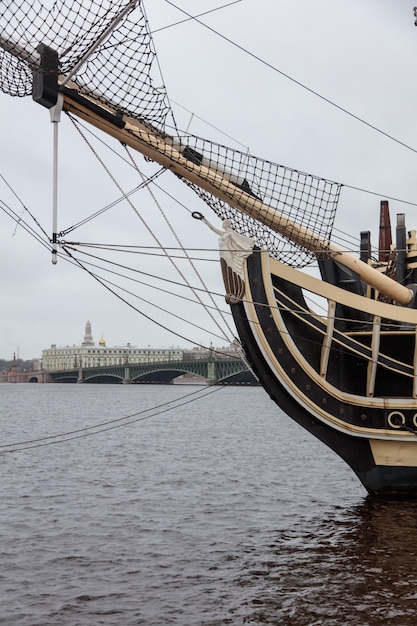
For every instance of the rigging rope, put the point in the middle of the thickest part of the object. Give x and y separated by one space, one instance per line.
20 222
129 304
149 229
69 258
377 194
30 231
168 312
25 209
297 82
110 425
143 184
300 311
192 264
77 263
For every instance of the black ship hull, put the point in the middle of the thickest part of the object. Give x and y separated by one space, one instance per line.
329 380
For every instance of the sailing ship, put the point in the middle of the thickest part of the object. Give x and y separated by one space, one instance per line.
348 376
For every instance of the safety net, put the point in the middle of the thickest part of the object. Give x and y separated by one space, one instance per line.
106 48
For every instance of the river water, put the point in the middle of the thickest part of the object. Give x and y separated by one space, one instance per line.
204 506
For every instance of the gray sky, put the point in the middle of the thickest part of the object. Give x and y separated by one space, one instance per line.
359 54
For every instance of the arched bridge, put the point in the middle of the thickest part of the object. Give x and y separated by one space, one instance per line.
218 372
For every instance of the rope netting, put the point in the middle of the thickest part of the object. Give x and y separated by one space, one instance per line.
289 197
121 73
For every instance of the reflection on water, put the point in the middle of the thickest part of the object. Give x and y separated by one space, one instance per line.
356 566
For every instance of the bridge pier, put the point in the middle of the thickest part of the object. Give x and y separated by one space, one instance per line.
211 373
126 375
80 378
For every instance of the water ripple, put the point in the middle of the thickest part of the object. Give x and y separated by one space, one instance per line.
218 513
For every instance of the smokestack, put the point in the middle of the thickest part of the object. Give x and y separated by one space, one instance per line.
385 236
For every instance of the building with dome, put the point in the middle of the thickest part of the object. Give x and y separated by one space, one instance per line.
88 354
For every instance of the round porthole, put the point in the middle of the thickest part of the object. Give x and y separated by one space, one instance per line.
415 420
396 419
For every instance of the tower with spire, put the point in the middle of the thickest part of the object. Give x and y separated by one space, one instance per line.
88 337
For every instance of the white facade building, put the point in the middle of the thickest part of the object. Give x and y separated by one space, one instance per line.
88 354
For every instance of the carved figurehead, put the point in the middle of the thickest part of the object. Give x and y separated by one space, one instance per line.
234 249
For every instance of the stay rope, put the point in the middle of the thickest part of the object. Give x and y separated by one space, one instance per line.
111 205
25 209
104 284
187 256
70 250
101 427
151 231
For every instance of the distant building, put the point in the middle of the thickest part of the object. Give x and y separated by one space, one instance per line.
199 353
89 355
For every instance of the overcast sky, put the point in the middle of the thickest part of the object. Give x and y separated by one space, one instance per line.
359 54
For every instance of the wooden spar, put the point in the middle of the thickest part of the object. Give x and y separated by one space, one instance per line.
12 47
160 149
